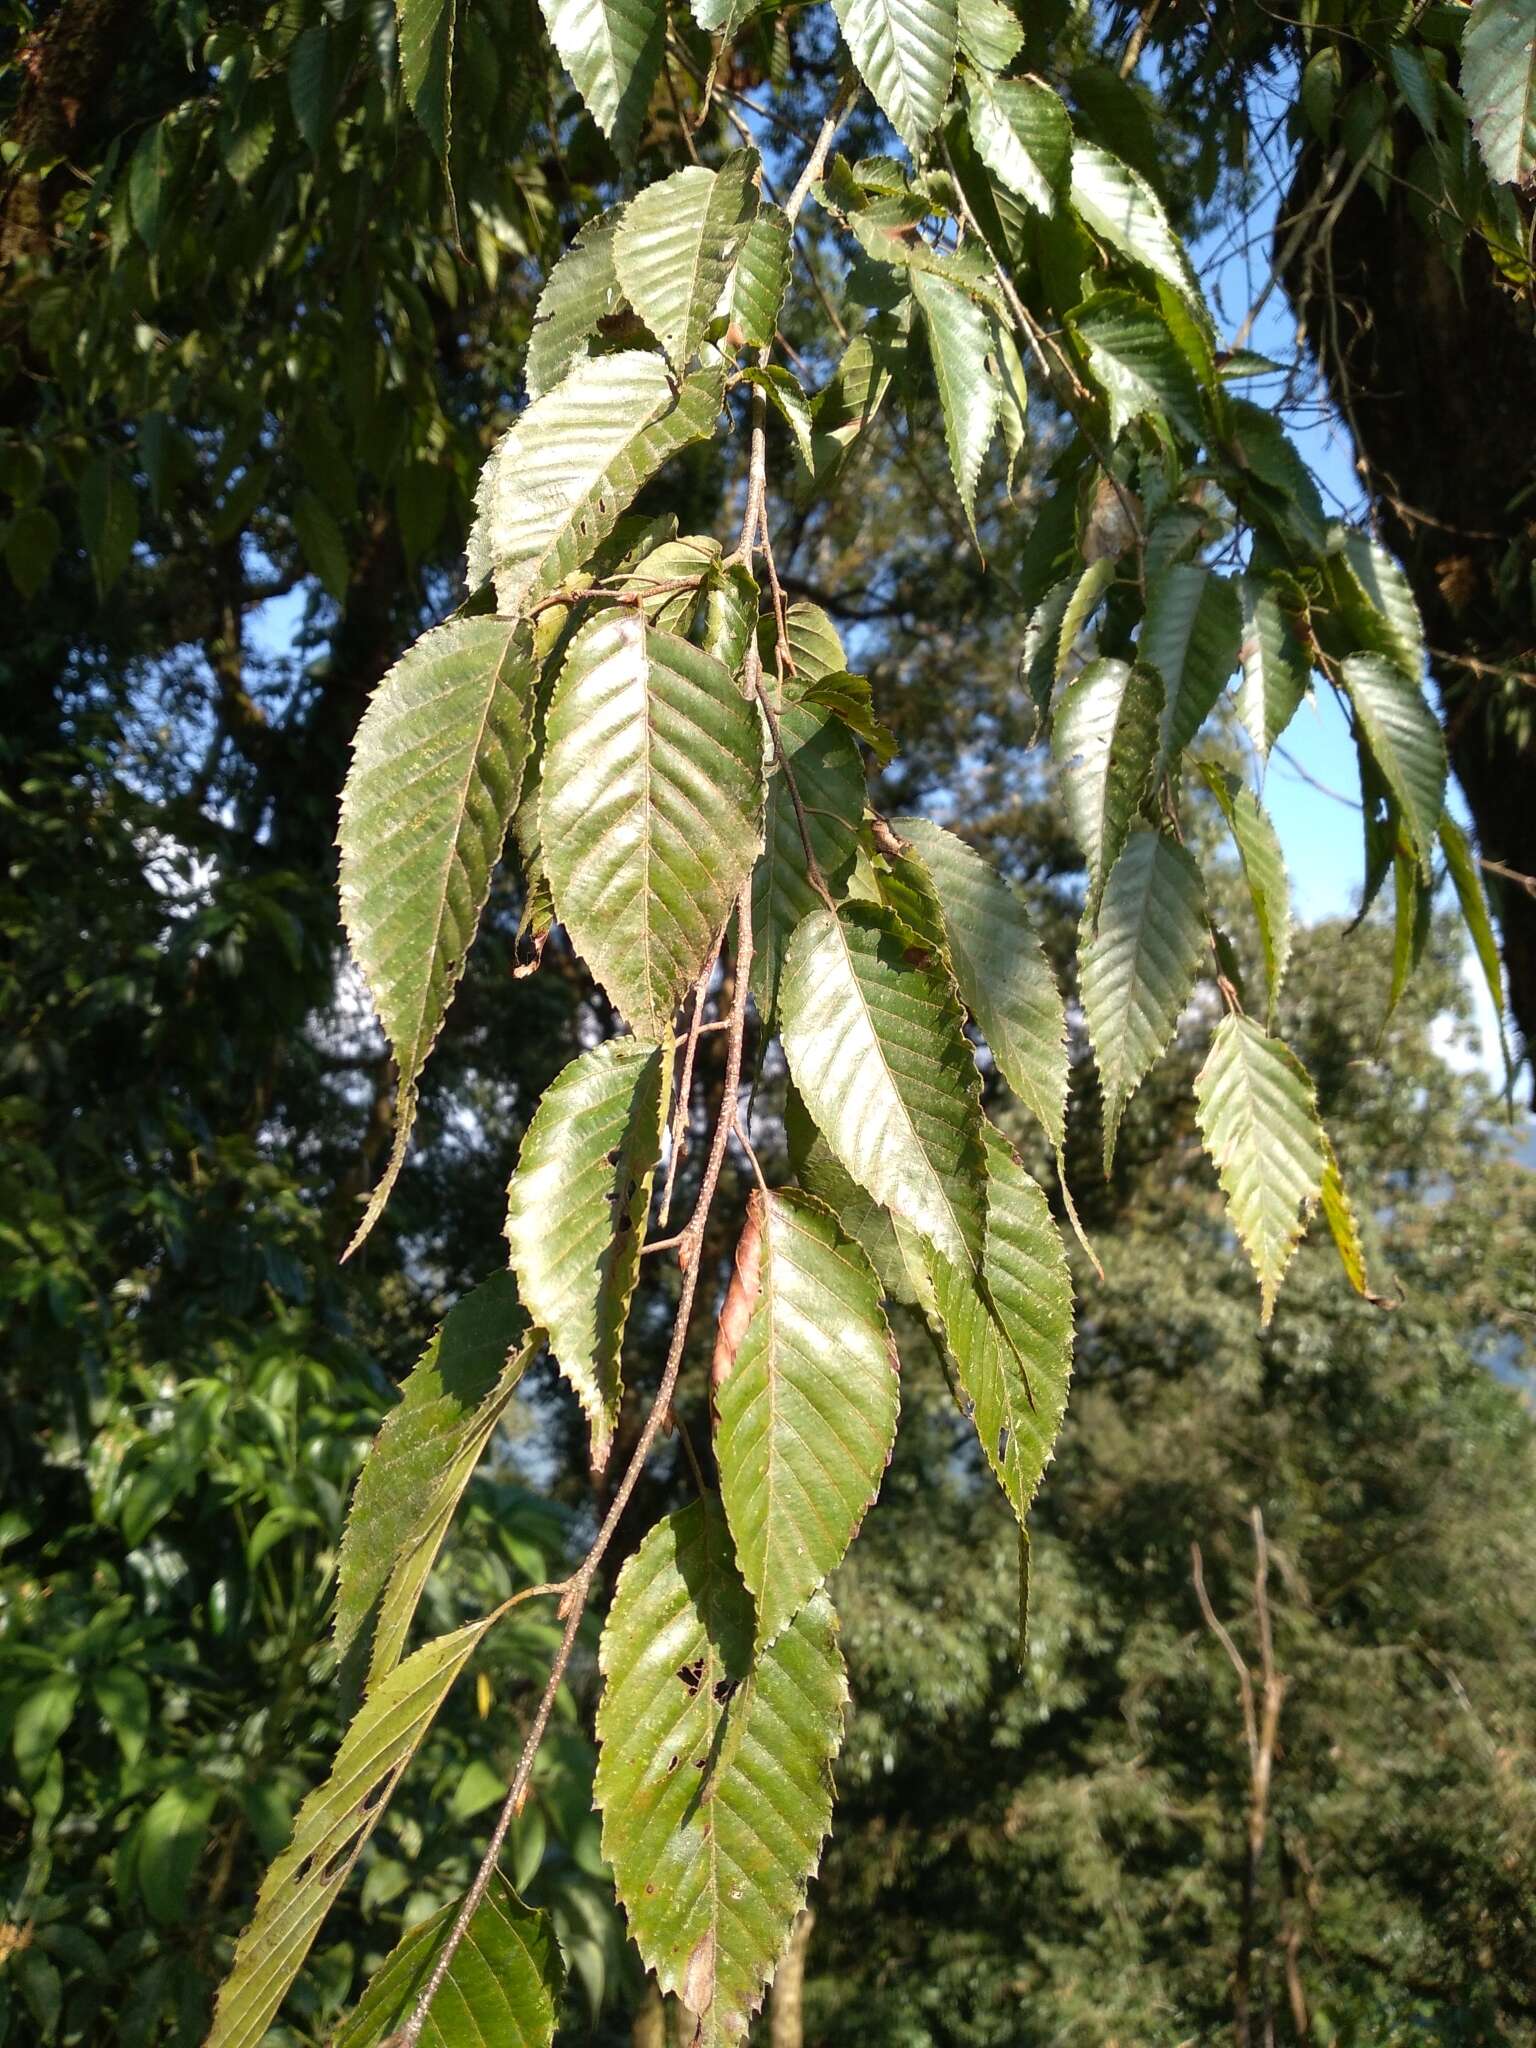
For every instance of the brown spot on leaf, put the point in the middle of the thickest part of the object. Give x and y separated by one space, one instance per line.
741 1296
698 1987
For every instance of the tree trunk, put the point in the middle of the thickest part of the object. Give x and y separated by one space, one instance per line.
786 2007
1435 377
649 2029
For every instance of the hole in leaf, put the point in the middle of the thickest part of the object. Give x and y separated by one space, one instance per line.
671 1767
1002 1445
303 1870
613 1156
692 1676
723 1689
371 1799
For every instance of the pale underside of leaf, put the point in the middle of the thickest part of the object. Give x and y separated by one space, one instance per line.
828 775
1023 134
613 51
1117 204
419 1465
905 52
437 766
1139 968
1257 1111
807 1414
714 1771
991 34
1004 977
819 1171
558 481
1382 602
1104 743
1016 1390
334 1823
651 809
876 1043
503 1986
1406 742
576 1210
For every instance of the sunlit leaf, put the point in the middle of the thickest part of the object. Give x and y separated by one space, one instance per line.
1105 742
905 51
675 245
612 49
1405 740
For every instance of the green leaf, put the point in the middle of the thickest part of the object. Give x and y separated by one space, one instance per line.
1104 743
1274 668
580 293
576 1211
1498 83
1139 968
557 484
171 1840
1136 363
122 1699
1263 868
1257 1111
502 1990
650 809
1191 636
991 34
149 171
323 544
311 92
613 50
1039 657
437 765
1119 206
419 1465
1083 600
714 1770
859 1216
850 401
790 403
807 1410
1004 977
875 1039
109 519
426 66
1462 865
1339 1214
1016 1390
334 1823
1022 133
959 341
31 542
905 52
1405 740
1378 602
675 245
1411 919
41 1722
762 277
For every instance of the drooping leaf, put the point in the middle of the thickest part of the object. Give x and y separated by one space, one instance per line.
788 399
1083 601
1405 740
1135 361
1039 662
576 1210
1191 636
762 277
503 1985
819 1171
675 245
807 1411
437 765
1339 1214
1117 204
1378 602
333 1824
1410 922
991 34
905 52
556 484
612 49
847 405
714 1769
1104 743
1274 669
1263 869
959 341
875 1040
1462 866
1257 1111
1139 968
1498 83
650 810
420 1463
1023 134
426 66
1016 1390
581 292
171 1839
1004 977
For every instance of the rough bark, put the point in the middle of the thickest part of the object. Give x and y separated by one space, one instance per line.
1434 376
786 2008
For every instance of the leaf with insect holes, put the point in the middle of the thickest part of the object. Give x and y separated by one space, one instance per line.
1257 1111
714 1767
558 481
1016 1390
905 53
875 1039
1004 977
449 724
807 1409
504 1984
650 811
580 293
334 1823
1138 970
613 51
675 245
576 1210
419 1465
1104 743
1406 743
